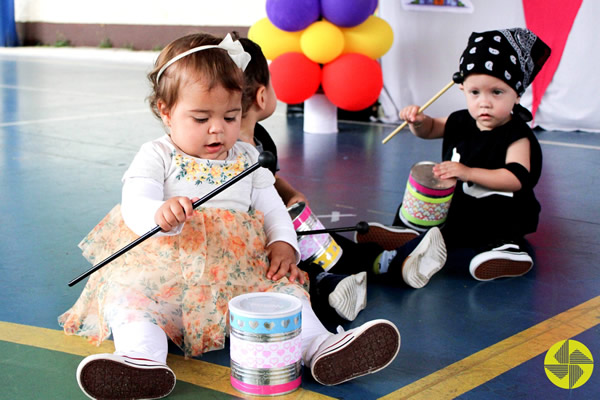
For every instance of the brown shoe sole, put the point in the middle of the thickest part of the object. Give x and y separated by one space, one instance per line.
371 351
389 240
501 268
107 379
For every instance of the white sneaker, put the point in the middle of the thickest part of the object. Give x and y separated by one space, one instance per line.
350 296
507 260
357 352
110 376
425 260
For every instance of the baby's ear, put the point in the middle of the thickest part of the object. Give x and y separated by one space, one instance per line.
260 97
165 113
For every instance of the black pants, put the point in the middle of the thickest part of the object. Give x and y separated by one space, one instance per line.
355 258
459 255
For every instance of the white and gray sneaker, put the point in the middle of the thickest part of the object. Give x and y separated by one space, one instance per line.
356 352
425 260
350 296
506 260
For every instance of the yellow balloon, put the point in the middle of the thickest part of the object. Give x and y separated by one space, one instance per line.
272 40
373 38
322 42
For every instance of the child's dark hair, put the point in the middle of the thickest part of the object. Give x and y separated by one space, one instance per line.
256 73
214 65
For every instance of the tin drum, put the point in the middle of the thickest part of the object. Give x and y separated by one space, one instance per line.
265 343
320 248
426 199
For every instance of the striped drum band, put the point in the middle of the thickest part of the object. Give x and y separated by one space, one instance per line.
265 343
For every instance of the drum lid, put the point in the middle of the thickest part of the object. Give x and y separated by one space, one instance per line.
261 305
296 209
422 172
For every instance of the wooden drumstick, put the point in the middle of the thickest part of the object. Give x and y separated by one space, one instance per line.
423 107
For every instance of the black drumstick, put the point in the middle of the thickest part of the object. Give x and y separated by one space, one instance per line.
362 227
265 159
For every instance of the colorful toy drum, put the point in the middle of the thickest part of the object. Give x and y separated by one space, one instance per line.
426 199
320 248
265 343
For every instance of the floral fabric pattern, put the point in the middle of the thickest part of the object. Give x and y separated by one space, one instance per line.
215 174
182 283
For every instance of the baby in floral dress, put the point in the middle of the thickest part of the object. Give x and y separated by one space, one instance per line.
177 284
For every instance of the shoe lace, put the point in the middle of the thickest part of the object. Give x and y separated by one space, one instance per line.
340 329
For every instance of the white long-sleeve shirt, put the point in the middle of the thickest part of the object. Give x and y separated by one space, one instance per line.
160 171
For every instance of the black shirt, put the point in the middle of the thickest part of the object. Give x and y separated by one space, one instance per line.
479 221
264 142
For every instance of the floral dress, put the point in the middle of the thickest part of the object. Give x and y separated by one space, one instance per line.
183 282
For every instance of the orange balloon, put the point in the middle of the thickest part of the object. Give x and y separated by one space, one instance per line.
373 38
272 40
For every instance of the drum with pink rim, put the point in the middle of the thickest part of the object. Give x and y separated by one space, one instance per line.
321 248
265 343
426 199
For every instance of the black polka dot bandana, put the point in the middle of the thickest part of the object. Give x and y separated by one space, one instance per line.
513 55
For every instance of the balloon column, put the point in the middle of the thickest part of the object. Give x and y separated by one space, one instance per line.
328 44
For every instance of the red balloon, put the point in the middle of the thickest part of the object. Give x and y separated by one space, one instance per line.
294 77
352 81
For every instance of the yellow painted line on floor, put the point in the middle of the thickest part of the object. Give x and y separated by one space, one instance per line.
475 370
199 373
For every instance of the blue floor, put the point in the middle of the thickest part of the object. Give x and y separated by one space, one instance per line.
69 128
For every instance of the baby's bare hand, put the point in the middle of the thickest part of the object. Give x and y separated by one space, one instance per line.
411 115
283 262
451 170
173 212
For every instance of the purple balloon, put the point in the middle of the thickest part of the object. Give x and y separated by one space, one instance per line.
347 13
373 6
293 15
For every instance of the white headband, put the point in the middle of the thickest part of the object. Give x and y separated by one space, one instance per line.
233 48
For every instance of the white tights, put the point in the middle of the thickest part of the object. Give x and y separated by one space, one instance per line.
147 340
141 340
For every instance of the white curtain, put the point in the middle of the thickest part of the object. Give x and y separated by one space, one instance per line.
427 46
